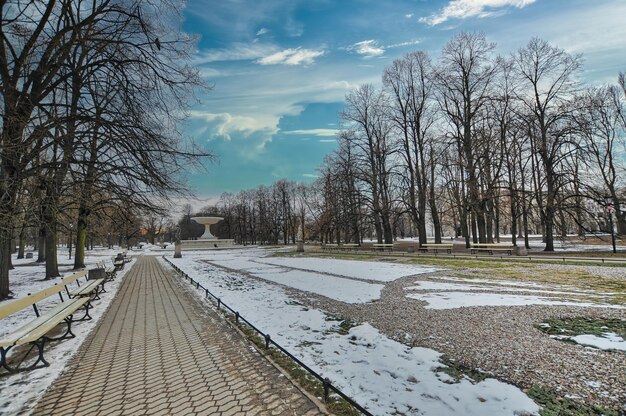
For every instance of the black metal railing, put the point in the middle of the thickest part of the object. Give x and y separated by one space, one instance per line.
326 383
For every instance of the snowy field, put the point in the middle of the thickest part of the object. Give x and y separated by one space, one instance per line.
368 270
20 391
385 376
342 280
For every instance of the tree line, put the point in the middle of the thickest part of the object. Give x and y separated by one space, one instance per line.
470 145
92 95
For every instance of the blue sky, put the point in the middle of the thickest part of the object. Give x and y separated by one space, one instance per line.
281 68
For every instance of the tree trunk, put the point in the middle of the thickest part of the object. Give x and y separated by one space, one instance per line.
549 211
52 266
513 212
5 261
41 237
81 238
22 242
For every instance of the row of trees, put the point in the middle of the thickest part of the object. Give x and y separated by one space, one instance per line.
472 144
92 93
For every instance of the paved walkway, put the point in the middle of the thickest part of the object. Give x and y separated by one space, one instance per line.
157 351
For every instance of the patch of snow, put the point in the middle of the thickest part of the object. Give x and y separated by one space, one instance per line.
608 341
338 288
437 286
368 270
344 290
451 300
489 281
593 384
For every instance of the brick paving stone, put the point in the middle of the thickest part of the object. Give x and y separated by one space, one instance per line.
158 351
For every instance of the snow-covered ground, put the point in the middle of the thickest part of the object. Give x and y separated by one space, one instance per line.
380 272
341 280
385 376
453 293
20 391
606 341
451 300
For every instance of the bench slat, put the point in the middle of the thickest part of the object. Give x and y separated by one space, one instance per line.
87 289
54 320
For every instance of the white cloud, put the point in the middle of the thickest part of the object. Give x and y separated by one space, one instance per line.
368 48
237 52
296 56
408 15
262 31
314 132
407 43
310 175
461 9
225 125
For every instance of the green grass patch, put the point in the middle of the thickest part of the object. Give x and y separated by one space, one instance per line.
583 325
554 405
458 371
344 326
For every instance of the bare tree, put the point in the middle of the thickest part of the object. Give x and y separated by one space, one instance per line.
600 123
365 113
548 75
409 85
464 79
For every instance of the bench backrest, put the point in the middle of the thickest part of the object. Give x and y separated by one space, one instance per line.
19 304
73 277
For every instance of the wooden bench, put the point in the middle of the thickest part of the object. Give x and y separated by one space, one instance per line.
126 257
110 272
436 247
350 246
119 262
330 246
383 246
91 288
490 248
36 331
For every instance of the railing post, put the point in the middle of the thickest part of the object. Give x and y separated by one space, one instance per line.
326 388
206 293
219 302
267 341
197 285
237 317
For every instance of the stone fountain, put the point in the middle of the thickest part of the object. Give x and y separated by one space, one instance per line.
207 241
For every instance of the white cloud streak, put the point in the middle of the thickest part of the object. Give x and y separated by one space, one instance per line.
314 132
368 48
401 44
462 9
296 56
237 52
